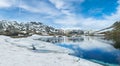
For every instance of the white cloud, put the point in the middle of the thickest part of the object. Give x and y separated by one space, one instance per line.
72 20
80 22
90 23
116 15
58 3
40 7
65 6
6 3
34 6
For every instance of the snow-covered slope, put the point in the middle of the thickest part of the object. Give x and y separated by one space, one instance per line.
30 27
17 52
6 24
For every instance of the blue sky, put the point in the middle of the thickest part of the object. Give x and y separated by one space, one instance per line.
82 14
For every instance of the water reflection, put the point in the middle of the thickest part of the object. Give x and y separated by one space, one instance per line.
52 39
56 40
91 48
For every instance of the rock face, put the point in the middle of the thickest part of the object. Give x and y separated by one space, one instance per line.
15 28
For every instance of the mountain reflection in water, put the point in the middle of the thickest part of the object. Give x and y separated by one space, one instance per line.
90 48
55 40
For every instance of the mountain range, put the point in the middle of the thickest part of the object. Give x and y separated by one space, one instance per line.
15 28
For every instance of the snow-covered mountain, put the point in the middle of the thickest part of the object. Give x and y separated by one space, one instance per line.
29 27
4 25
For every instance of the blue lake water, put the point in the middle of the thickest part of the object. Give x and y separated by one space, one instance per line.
90 48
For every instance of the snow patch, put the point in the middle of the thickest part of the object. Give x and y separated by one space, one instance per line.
13 55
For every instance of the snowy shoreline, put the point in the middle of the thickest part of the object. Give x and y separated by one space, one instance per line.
17 52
